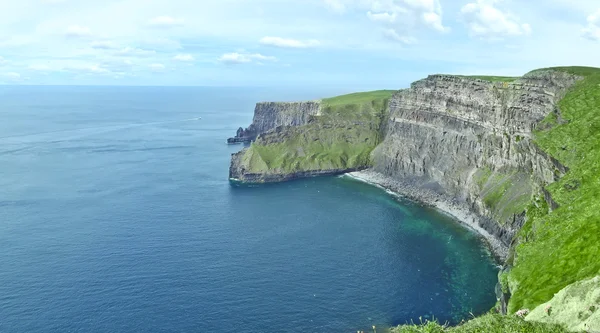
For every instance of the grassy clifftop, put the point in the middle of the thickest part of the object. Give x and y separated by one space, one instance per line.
563 246
358 98
340 137
492 78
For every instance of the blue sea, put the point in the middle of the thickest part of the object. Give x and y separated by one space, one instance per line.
116 215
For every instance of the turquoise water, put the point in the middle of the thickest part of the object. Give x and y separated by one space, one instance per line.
116 215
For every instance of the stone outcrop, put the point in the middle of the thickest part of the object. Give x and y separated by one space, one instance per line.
472 141
269 115
577 305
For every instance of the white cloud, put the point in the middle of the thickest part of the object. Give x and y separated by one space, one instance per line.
2 61
134 52
78 31
288 43
399 19
486 21
118 66
382 17
393 35
184 57
592 30
242 58
157 67
161 43
40 68
103 45
337 6
165 22
12 76
92 69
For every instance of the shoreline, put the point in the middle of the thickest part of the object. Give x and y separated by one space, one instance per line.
434 200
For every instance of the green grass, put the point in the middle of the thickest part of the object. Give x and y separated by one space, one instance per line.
505 194
563 246
490 323
341 137
358 98
492 78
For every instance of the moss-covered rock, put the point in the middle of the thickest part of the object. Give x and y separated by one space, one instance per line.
576 306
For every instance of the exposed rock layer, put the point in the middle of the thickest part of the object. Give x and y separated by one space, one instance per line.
339 138
471 139
468 140
269 115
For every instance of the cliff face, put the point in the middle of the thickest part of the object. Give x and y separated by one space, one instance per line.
338 138
269 115
471 140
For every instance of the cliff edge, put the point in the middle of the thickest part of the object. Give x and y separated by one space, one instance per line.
326 137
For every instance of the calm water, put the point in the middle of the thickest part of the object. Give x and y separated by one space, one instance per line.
116 215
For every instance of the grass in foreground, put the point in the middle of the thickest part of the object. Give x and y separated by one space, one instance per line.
563 247
491 323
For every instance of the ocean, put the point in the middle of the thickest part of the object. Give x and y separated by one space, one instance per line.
116 215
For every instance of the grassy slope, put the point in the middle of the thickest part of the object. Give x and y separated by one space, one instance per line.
505 194
343 136
563 247
358 98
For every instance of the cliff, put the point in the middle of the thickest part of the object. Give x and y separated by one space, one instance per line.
521 154
471 140
269 115
338 138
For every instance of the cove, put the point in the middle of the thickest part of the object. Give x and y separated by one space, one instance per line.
365 257
117 216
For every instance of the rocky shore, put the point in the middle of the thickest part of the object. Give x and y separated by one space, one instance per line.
435 200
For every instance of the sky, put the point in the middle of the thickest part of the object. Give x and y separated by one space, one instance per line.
359 44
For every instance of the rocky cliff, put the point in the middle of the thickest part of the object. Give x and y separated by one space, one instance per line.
269 115
318 138
471 140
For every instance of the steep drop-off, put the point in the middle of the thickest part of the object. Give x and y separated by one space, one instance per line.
338 138
269 115
471 140
522 154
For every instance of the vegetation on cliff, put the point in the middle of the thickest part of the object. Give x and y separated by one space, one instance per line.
491 323
340 137
493 78
562 246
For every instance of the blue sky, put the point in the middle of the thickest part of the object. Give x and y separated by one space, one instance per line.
362 44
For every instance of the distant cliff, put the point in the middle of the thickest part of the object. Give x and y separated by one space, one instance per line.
269 115
331 136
